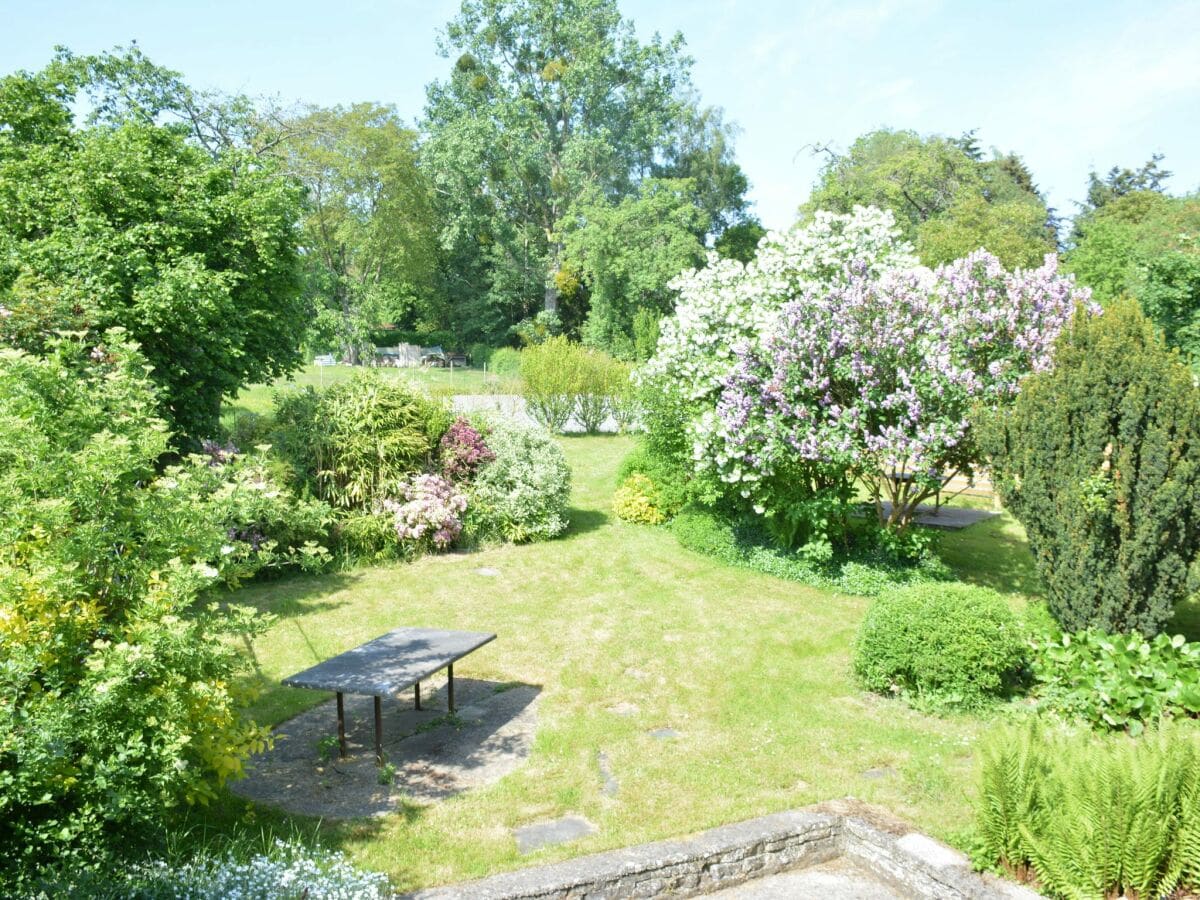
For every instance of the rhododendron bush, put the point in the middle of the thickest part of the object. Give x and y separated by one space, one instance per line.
834 358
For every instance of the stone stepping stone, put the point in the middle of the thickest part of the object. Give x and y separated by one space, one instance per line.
551 832
487 572
611 785
624 708
664 734
879 772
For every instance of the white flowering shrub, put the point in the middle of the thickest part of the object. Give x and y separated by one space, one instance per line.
729 303
431 514
522 494
288 872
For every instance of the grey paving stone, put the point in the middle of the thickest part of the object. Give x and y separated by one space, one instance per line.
879 772
611 785
487 571
551 832
664 734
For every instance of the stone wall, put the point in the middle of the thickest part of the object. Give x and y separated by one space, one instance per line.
889 849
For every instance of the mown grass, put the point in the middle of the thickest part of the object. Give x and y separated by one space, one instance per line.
753 672
259 398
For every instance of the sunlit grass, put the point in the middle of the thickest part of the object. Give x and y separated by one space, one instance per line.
753 672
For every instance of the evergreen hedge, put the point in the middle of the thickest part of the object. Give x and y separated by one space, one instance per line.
1099 459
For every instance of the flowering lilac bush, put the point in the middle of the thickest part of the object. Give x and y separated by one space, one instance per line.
463 451
431 514
876 377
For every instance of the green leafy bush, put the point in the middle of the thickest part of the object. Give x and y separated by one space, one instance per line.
637 500
945 645
505 361
117 702
670 485
739 541
564 381
522 494
1117 680
354 442
1099 459
552 374
481 355
1084 817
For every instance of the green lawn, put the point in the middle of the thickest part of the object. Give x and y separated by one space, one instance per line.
752 671
258 398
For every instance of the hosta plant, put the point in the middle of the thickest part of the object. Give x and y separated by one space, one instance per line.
1117 680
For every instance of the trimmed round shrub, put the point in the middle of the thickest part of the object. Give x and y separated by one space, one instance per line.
522 494
636 500
942 645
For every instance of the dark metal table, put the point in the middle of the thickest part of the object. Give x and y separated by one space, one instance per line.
388 665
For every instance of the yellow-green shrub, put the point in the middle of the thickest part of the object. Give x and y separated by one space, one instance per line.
636 501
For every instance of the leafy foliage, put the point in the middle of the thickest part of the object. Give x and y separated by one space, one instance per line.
867 570
1146 246
952 646
628 252
131 225
947 199
1088 818
118 703
353 443
637 500
285 871
546 99
368 228
565 381
1099 459
522 494
1117 680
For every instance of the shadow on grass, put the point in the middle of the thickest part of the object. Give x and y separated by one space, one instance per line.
585 520
990 554
1186 620
300 594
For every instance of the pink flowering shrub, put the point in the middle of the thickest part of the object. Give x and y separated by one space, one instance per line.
463 451
876 378
431 514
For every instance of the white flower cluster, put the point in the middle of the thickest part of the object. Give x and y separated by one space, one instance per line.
289 871
728 303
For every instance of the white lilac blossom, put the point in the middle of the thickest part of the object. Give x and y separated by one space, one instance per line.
878 372
728 304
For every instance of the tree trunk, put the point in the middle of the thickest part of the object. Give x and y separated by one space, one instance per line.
551 295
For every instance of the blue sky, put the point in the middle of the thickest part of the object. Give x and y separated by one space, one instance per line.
1069 85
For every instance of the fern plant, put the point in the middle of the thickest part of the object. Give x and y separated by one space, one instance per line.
1092 818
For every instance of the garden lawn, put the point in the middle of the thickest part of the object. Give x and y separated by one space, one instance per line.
753 672
258 398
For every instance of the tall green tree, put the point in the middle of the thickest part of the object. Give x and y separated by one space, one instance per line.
368 227
628 252
947 198
548 100
1099 459
1145 245
126 223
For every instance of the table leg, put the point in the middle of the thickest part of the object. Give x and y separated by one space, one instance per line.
417 693
341 706
450 673
378 732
